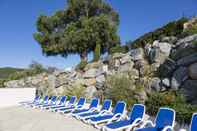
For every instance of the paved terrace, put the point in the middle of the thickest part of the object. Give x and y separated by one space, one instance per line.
23 119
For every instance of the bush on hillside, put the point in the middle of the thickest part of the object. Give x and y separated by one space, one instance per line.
81 65
77 90
174 28
192 30
173 100
120 87
119 49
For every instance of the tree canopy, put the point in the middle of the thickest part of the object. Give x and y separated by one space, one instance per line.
78 29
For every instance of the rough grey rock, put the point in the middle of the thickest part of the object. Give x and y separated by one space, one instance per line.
193 71
125 59
91 73
184 42
136 54
90 91
164 47
171 39
167 68
187 60
179 76
100 79
147 49
166 82
126 67
189 89
155 84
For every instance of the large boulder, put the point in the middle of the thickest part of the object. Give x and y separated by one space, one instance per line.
90 91
166 82
90 82
155 84
126 67
193 71
179 76
189 89
167 68
91 73
186 41
164 47
136 54
185 61
125 59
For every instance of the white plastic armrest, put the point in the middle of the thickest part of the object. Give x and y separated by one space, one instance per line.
135 123
116 117
93 109
168 127
182 130
146 123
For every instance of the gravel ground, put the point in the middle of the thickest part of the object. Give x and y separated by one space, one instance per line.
24 119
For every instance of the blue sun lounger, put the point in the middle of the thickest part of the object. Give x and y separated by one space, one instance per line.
59 104
193 125
79 105
115 115
105 108
92 107
165 121
41 102
136 116
36 99
70 103
52 102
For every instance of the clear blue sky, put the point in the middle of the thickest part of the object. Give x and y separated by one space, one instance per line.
18 17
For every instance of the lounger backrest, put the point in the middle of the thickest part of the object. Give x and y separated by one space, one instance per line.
119 107
165 117
137 111
94 103
194 122
62 100
46 98
36 98
106 104
53 99
72 100
81 101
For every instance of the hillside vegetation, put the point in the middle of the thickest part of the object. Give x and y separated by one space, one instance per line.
7 71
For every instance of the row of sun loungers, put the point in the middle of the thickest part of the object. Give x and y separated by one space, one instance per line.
106 119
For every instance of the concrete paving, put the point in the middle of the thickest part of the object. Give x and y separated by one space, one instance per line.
24 119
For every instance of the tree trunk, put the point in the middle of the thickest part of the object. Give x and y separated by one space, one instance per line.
83 56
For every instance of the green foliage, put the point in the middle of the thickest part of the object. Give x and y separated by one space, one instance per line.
173 100
174 28
81 65
78 28
119 49
97 52
16 74
192 30
120 87
77 90
6 72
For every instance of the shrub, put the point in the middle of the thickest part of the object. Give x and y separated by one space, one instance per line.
192 30
173 100
97 52
77 90
119 49
120 87
81 65
174 28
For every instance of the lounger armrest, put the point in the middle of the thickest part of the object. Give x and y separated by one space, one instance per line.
94 109
135 123
116 117
168 128
147 123
182 130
